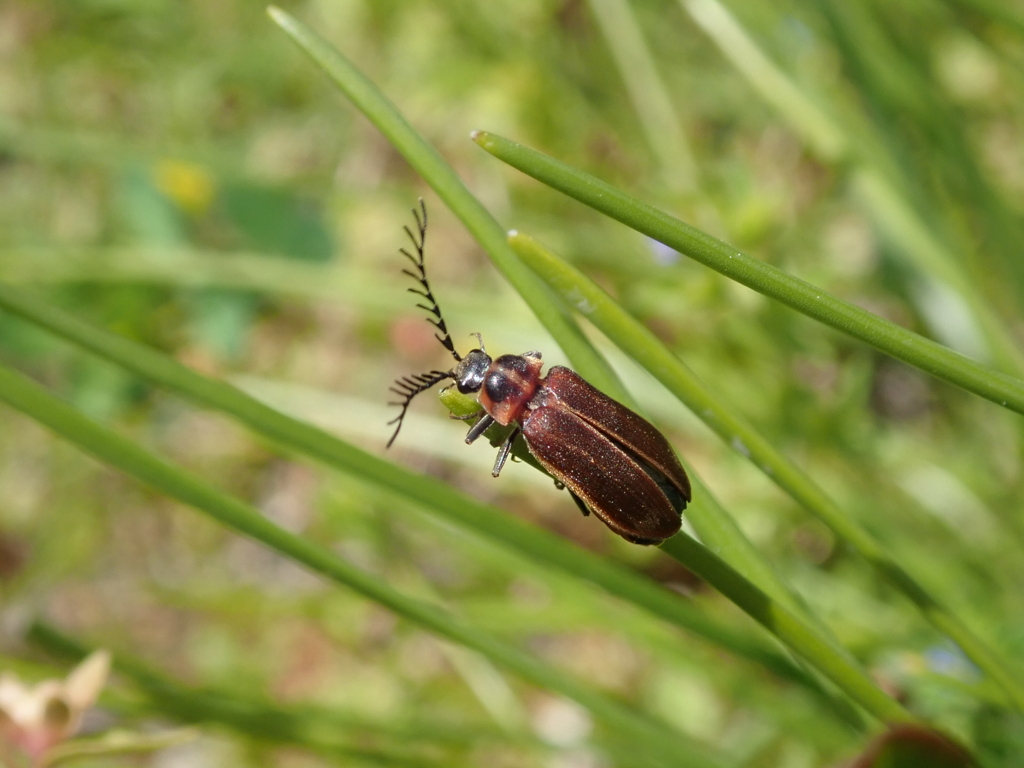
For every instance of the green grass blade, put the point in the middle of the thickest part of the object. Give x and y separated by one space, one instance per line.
321 730
848 318
109 746
646 89
180 266
826 139
1006 13
638 342
718 529
788 627
121 453
493 524
900 224
426 160
892 212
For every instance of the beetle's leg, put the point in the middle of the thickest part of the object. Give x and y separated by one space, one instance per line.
504 451
479 428
580 504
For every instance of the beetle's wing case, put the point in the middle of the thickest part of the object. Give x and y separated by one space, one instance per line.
619 424
611 483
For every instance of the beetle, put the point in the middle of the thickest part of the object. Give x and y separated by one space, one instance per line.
613 462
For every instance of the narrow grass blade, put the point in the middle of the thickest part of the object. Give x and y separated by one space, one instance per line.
426 160
826 137
723 537
647 91
787 627
320 730
114 744
183 266
848 318
638 342
121 453
900 225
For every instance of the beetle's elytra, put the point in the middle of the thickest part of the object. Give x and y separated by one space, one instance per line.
613 462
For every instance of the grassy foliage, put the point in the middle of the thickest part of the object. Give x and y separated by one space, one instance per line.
184 190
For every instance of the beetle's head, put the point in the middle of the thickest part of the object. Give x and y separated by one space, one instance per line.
469 373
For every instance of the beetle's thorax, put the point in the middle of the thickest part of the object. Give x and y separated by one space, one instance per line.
509 384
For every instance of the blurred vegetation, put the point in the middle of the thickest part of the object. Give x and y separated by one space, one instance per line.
180 174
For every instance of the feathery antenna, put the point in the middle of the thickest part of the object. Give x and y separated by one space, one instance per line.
420 276
408 387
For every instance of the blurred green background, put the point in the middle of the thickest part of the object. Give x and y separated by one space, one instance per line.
179 173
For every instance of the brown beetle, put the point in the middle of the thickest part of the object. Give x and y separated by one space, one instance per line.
613 462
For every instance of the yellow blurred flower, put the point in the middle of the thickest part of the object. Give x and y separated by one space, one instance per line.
187 184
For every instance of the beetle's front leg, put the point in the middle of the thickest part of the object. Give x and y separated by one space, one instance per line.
479 428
